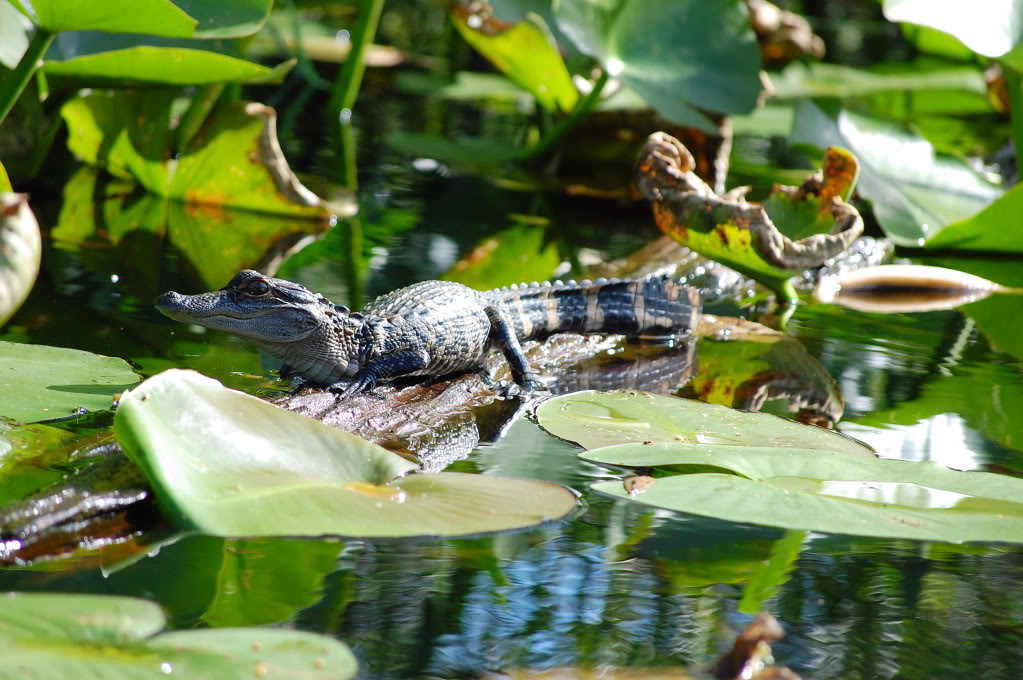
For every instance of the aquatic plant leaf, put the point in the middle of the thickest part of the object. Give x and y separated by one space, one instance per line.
5 181
277 473
146 64
15 32
512 255
60 635
233 161
32 457
767 576
996 228
153 17
598 419
677 54
990 29
466 86
526 53
20 250
914 191
902 288
226 18
742 235
824 490
818 79
38 382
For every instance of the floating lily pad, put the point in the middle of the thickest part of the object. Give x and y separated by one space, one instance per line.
59 635
233 465
38 382
996 228
598 419
518 251
825 490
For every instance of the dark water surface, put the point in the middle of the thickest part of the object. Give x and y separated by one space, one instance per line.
616 584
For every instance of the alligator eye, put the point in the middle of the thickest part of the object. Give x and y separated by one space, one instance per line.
257 287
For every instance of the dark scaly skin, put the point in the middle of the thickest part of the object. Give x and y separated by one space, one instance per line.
430 328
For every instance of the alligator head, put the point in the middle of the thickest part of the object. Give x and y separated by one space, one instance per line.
303 329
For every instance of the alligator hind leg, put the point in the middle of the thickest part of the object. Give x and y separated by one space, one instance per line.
502 336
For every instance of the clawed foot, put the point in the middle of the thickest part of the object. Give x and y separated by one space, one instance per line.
358 384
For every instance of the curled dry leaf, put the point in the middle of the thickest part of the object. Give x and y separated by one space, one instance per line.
783 35
20 250
741 234
900 288
272 158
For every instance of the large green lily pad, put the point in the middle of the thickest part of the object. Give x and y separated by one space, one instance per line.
598 419
233 465
824 490
39 382
59 635
20 249
677 54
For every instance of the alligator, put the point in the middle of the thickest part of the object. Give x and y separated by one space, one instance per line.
431 328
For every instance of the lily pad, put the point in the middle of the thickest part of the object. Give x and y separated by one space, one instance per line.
233 161
20 250
277 473
518 251
989 28
38 382
599 419
825 490
915 191
996 228
526 52
59 635
677 54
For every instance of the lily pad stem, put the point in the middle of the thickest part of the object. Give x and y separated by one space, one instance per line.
579 111
12 86
346 87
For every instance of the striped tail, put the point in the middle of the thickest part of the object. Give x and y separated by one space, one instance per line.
637 307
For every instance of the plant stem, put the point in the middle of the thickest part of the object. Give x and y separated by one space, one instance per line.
13 84
346 87
1014 87
581 109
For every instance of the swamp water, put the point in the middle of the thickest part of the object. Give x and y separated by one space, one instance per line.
616 583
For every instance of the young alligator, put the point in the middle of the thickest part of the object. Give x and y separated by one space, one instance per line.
430 328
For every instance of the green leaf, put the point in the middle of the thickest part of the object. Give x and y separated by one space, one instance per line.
38 382
598 419
5 181
32 457
129 134
768 576
915 192
160 66
20 250
822 490
996 228
280 473
515 254
467 86
677 54
226 18
989 28
526 52
154 17
818 79
59 635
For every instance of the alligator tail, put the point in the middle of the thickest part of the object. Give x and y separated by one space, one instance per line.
653 306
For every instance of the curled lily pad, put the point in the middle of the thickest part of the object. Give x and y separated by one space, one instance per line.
233 465
744 235
824 490
597 419
61 635
901 288
20 250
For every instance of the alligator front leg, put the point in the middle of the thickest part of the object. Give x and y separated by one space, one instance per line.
388 366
